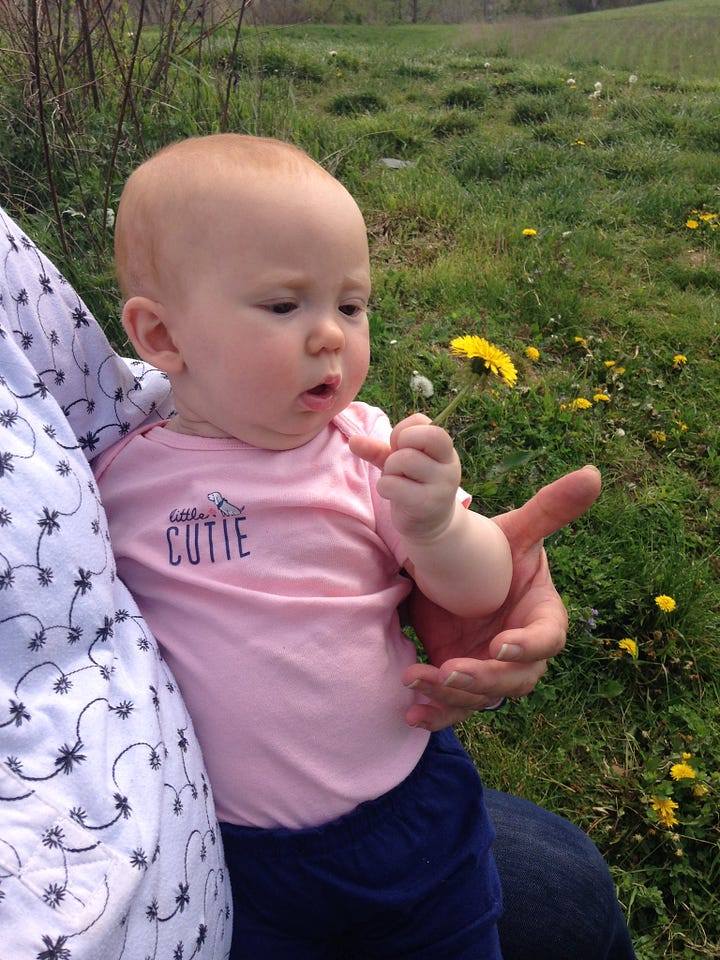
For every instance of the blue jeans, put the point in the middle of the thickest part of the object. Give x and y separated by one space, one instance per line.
559 897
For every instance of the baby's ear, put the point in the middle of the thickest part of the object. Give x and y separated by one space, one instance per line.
145 324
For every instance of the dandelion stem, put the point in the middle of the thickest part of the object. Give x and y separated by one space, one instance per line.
444 415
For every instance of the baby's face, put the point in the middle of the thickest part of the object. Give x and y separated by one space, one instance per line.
271 314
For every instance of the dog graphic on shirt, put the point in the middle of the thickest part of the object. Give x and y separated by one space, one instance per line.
224 506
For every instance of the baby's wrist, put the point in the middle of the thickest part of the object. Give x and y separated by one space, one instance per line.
429 533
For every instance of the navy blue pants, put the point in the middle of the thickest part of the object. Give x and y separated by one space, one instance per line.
409 875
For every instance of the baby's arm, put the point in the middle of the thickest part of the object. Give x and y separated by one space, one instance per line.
459 559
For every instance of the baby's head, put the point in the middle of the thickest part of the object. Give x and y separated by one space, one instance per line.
245 269
178 201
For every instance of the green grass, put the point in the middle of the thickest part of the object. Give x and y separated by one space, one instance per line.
675 40
611 288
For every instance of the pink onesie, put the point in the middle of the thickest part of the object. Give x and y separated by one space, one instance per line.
271 580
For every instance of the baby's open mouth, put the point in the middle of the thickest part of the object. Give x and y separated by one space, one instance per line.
322 395
322 390
326 388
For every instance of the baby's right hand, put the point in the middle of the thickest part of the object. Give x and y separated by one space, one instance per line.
420 476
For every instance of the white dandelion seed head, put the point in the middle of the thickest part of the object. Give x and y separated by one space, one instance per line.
632 78
598 86
420 384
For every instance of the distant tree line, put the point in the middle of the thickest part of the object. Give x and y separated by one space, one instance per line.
423 11
87 12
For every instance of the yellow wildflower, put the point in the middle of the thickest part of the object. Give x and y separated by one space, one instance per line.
658 436
664 807
529 232
679 360
700 790
665 603
580 404
601 398
682 771
532 353
493 358
581 340
484 358
692 224
629 646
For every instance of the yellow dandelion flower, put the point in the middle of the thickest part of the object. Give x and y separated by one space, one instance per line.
580 404
682 427
610 363
708 216
601 398
692 224
665 603
682 771
658 437
629 646
529 232
578 143
700 790
494 359
582 341
679 360
484 358
665 807
532 353
686 756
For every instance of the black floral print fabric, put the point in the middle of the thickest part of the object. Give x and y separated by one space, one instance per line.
109 846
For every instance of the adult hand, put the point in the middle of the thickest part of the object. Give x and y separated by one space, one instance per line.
476 662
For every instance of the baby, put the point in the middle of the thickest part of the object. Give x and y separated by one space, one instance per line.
266 530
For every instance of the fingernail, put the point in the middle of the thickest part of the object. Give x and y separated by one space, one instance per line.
459 680
411 686
509 651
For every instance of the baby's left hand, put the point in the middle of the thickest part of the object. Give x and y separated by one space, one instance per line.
420 475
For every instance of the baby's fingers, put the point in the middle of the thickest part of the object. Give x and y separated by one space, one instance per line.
370 449
433 441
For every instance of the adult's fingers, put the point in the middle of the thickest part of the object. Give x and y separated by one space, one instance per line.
465 685
552 507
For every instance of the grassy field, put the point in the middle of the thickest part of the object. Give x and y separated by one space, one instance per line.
676 38
558 193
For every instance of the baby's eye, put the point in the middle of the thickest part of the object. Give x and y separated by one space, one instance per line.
350 309
285 307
